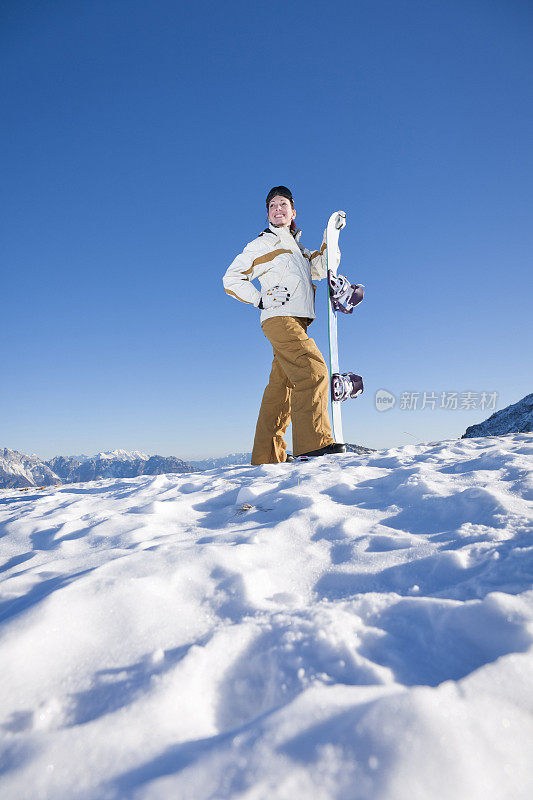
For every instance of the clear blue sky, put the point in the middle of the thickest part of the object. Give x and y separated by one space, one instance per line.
138 142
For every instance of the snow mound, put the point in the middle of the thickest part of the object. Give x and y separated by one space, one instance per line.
357 627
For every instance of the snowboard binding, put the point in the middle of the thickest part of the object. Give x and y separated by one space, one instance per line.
343 294
346 385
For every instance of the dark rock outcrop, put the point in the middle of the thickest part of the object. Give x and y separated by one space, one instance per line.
517 418
358 448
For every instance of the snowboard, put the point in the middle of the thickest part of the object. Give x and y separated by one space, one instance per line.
347 384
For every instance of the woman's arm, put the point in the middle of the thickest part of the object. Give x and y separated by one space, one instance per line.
318 260
239 275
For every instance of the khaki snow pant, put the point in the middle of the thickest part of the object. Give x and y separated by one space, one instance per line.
298 387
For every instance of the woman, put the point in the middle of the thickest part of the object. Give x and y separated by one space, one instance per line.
299 381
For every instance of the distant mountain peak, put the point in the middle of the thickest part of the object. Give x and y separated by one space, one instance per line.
515 418
18 469
121 455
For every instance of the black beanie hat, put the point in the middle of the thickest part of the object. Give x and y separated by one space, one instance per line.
280 191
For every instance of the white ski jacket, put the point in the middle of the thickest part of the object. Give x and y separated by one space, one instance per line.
276 258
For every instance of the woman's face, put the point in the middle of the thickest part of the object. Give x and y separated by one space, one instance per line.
280 211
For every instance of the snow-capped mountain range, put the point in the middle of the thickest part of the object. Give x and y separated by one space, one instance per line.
18 470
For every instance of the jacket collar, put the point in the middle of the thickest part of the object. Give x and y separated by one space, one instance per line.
296 232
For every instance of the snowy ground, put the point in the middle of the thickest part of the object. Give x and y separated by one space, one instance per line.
357 627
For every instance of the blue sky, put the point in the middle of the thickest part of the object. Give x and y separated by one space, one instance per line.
139 140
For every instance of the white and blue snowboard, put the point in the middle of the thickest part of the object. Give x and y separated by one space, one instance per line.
342 386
